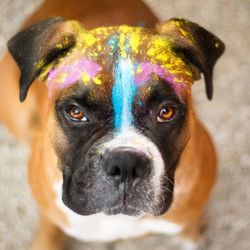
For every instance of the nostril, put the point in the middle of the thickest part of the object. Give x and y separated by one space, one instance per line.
114 171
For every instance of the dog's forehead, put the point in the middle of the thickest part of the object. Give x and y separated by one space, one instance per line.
99 53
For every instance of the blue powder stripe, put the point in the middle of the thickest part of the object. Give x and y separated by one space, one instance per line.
113 42
123 93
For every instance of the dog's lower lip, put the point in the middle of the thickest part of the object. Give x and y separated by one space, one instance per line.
123 209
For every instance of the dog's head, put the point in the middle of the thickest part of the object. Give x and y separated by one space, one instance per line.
120 106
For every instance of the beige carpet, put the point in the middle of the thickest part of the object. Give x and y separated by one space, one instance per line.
227 118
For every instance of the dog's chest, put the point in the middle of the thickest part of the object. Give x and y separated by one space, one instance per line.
101 227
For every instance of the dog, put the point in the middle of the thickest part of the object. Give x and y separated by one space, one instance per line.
116 148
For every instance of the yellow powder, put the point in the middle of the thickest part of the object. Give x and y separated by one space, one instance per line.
85 77
61 77
89 39
39 64
97 80
59 46
122 45
134 42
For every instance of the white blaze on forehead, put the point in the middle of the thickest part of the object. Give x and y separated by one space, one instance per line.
140 143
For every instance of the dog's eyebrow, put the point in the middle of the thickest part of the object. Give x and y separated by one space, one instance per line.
86 97
71 69
79 93
162 91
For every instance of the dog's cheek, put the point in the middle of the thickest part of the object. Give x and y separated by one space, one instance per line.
172 150
79 190
86 189
182 136
56 135
101 187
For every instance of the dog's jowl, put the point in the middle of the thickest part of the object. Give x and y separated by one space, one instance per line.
120 147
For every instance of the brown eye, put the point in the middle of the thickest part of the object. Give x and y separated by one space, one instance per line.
76 114
166 114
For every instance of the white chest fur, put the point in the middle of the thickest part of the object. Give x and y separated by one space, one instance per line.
101 227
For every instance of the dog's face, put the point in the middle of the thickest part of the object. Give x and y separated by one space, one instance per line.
120 99
120 108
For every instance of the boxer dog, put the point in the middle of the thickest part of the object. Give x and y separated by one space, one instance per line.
117 150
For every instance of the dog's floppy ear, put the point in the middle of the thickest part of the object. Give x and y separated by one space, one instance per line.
196 45
39 45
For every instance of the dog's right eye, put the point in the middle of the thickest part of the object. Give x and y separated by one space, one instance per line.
76 114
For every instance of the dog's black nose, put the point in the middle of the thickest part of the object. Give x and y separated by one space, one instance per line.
127 165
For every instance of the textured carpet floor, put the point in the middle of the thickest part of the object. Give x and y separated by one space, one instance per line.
227 118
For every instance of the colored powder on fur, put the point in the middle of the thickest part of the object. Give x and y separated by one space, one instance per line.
123 93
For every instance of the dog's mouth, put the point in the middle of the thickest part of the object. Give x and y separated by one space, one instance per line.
87 198
125 209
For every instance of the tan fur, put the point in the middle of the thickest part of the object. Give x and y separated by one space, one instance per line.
194 178
48 237
195 175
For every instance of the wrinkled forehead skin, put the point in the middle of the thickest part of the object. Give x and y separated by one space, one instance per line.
118 61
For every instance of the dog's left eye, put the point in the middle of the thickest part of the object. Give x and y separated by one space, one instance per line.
166 114
76 114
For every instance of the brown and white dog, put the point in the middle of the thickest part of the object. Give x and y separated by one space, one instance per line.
117 150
